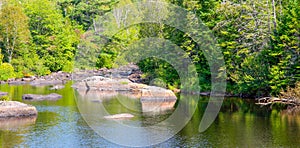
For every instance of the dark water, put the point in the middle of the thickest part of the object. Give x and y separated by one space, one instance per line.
59 124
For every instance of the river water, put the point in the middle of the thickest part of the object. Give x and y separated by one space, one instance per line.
240 123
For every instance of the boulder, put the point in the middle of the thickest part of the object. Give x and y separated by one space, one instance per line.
42 82
17 82
16 109
57 87
103 84
3 94
119 116
157 94
153 98
34 97
157 99
27 79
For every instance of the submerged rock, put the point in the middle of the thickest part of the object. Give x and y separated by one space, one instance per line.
119 116
34 97
16 109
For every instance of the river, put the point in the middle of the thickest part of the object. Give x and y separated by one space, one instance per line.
240 123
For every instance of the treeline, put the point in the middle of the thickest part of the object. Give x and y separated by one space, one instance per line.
260 40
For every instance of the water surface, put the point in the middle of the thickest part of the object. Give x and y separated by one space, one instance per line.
59 124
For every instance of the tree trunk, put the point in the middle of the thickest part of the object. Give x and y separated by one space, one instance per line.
269 17
274 14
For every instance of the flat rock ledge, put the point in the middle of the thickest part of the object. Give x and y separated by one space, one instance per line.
152 98
34 97
16 109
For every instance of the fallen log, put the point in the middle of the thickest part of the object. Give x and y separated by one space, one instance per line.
271 100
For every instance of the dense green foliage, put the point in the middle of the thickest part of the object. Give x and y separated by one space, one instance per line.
6 71
4 98
260 40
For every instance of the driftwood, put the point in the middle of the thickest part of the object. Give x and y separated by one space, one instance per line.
271 100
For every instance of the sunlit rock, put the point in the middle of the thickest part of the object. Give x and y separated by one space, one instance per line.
153 98
119 116
16 109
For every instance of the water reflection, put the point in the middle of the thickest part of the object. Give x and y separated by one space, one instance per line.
13 123
239 124
243 124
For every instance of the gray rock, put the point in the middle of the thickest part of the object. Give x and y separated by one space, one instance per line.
153 98
56 87
27 79
34 97
3 94
157 99
17 82
42 82
16 109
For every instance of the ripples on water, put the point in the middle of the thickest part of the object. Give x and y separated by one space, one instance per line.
59 124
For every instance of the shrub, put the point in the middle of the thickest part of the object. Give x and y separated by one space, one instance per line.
291 93
104 60
68 66
4 98
1 57
6 71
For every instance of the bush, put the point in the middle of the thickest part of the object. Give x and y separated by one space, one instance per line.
68 66
6 71
104 60
4 98
291 93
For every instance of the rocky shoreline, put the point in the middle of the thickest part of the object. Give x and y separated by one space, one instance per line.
58 79
131 72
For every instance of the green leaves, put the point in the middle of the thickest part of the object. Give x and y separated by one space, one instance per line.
14 31
6 71
53 35
260 43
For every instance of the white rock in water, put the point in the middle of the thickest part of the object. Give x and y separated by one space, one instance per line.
119 116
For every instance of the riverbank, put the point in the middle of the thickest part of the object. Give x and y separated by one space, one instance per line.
131 72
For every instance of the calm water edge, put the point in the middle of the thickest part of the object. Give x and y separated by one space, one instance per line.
59 124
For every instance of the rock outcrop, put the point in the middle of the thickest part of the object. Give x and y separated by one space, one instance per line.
43 82
152 98
34 97
3 94
157 99
16 109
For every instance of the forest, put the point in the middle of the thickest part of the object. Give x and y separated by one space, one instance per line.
260 41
